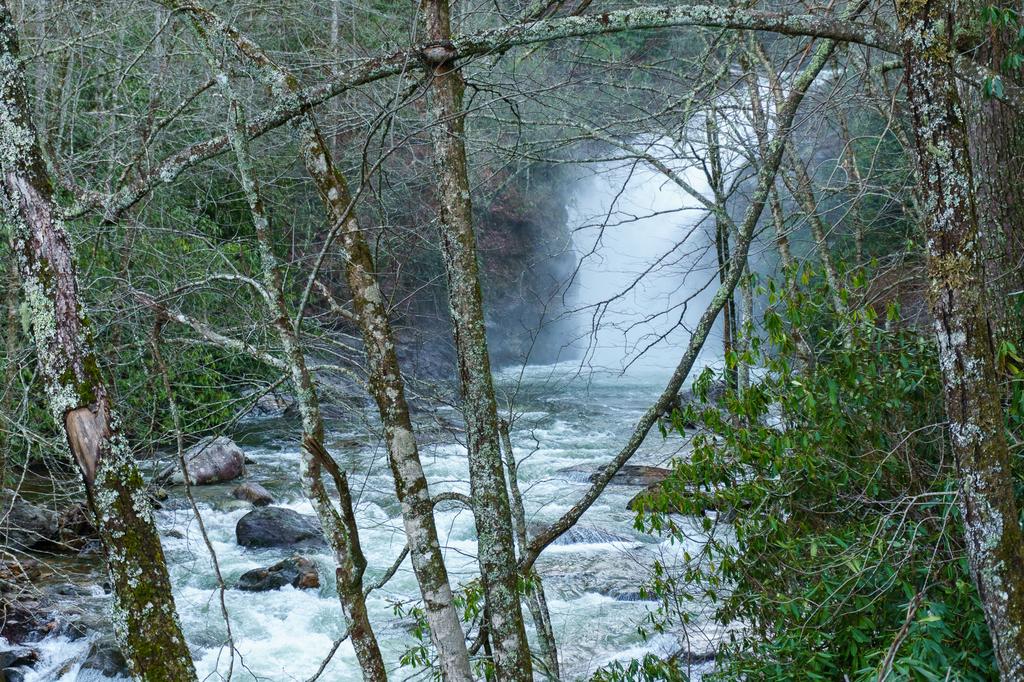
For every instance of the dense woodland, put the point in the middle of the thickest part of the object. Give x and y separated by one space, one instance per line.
280 279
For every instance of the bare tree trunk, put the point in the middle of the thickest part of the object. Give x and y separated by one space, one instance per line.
801 187
386 383
496 553
729 311
746 329
536 600
388 390
760 120
144 615
966 346
10 369
849 164
996 138
339 526
731 340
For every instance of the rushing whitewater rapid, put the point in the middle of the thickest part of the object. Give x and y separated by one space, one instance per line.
643 250
566 427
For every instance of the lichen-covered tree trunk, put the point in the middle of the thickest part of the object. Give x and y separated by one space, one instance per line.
996 132
339 524
496 548
10 369
536 600
996 138
144 616
386 383
388 389
966 349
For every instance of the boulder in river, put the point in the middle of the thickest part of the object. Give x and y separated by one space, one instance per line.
643 499
629 474
299 572
576 473
105 657
211 460
272 405
709 502
18 657
24 525
11 675
253 492
278 527
637 474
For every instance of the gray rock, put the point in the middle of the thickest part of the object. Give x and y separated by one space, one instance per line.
644 500
106 658
24 525
629 474
271 405
253 492
635 474
278 527
576 474
299 572
211 460
18 656
11 675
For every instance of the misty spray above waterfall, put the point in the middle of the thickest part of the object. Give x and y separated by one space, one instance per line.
647 261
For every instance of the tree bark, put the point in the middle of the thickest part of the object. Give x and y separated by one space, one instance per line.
339 524
386 383
144 616
966 345
10 368
491 511
996 138
536 600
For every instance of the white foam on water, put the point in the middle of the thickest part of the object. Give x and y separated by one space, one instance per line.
567 420
60 659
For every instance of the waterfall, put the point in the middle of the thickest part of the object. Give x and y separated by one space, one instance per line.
647 262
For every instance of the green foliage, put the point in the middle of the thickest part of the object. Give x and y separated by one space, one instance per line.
650 668
844 546
1005 20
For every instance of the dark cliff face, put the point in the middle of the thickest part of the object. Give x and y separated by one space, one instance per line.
527 260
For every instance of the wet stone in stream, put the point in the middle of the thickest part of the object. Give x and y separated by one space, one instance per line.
299 572
254 493
278 527
211 460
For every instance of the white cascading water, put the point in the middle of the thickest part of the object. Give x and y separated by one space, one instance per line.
567 423
648 267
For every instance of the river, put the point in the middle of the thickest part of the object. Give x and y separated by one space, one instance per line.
568 420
